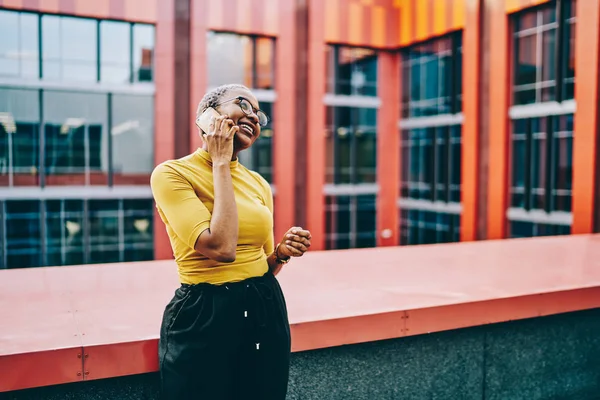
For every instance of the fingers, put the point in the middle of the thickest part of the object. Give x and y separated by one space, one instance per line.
222 126
295 252
298 239
232 131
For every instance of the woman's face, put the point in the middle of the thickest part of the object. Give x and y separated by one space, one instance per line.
249 128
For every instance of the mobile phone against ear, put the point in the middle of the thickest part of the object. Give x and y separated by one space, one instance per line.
204 120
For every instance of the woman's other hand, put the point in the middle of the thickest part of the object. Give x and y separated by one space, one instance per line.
219 140
295 243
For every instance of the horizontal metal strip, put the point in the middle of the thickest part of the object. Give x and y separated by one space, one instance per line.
542 109
351 101
76 192
350 190
425 205
433 121
97 87
539 216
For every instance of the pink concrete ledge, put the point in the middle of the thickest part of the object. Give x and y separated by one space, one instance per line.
69 324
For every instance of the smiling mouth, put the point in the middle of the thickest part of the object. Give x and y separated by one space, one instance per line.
247 129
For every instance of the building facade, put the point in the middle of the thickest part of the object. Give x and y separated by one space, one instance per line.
393 122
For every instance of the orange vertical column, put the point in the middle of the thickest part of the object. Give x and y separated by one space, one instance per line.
498 117
164 113
316 124
284 154
388 150
470 142
198 63
586 117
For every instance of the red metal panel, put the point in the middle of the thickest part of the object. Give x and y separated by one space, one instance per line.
117 9
43 368
120 359
67 6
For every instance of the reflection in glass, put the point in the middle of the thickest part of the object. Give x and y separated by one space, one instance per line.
338 224
265 61
138 235
115 52
105 231
143 52
133 128
524 229
230 59
356 71
563 163
428 227
366 221
64 232
23 241
366 145
69 48
19 54
75 137
19 137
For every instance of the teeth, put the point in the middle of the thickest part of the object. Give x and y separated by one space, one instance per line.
248 129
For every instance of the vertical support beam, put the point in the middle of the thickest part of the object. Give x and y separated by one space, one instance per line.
497 110
182 79
316 121
388 148
292 62
197 70
164 110
586 117
470 133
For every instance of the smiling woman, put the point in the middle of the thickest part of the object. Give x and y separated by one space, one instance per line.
225 334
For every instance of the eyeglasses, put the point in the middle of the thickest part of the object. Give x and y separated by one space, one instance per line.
247 108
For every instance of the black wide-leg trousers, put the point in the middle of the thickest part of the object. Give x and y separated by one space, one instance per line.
226 342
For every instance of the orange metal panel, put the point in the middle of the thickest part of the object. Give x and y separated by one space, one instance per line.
113 311
459 12
439 17
198 62
244 14
332 16
498 133
315 125
284 158
406 22
513 5
355 15
97 9
422 19
437 319
586 117
141 10
388 148
31 4
214 10
120 359
18 4
50 6
67 6
379 26
272 12
44 368
470 142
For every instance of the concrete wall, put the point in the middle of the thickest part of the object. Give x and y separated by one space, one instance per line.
550 358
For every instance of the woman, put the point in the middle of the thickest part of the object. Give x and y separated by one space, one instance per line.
225 334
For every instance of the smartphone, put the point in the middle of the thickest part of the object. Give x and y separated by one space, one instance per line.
204 120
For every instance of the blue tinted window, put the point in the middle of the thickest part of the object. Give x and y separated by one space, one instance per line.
19 46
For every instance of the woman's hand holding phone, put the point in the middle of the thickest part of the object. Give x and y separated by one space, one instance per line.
219 139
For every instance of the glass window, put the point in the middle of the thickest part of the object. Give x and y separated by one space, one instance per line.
19 137
352 71
19 47
428 227
542 163
76 142
69 48
265 61
431 164
133 127
366 221
23 234
234 58
105 229
535 42
524 229
138 237
350 221
143 52
352 145
115 52
65 229
431 77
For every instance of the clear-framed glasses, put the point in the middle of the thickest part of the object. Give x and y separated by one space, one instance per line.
244 103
